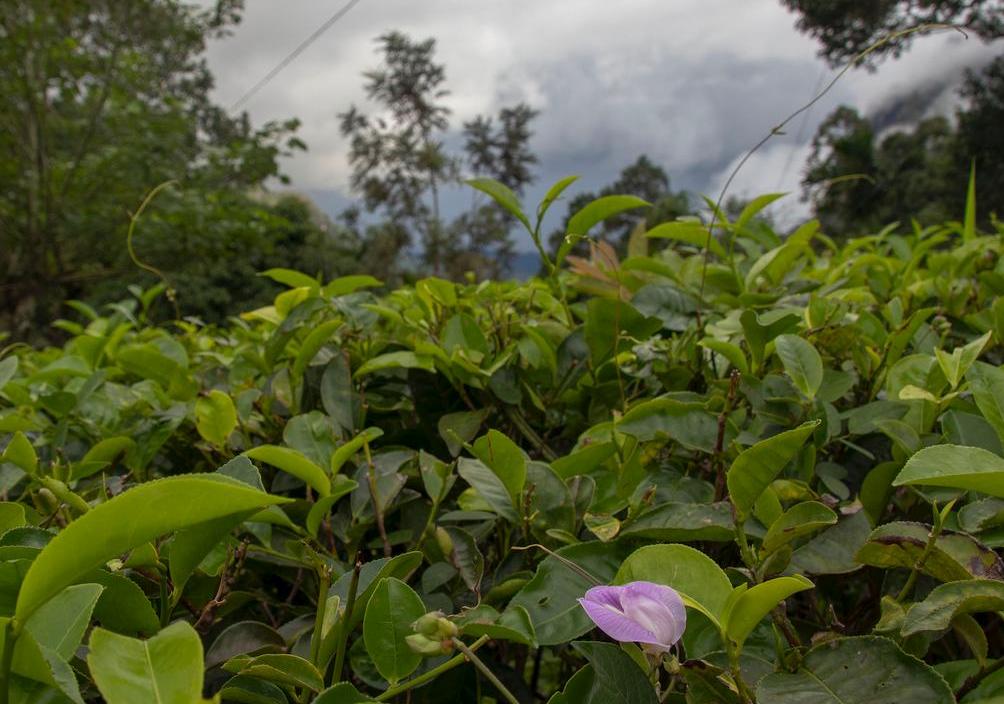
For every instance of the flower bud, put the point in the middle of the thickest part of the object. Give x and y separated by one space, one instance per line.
444 541
430 647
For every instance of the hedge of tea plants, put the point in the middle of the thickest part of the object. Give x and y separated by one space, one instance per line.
730 466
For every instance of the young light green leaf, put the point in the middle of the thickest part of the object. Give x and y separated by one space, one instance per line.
757 466
502 195
295 463
340 456
166 669
148 511
21 452
801 362
215 417
692 232
281 668
801 519
396 360
756 602
312 345
598 210
340 487
956 467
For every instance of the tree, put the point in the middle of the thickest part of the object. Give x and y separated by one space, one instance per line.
643 179
400 165
845 28
980 137
858 182
101 101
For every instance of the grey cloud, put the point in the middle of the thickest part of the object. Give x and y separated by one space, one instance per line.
691 83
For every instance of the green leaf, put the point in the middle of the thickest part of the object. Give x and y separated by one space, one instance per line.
291 278
244 638
761 329
149 510
801 519
954 556
955 467
281 668
801 362
862 670
553 193
101 455
463 333
969 220
956 364
489 486
251 690
399 566
987 384
754 207
687 423
551 597
11 516
166 669
731 352
690 232
946 601
123 607
215 417
459 428
344 285
503 457
59 625
396 360
612 325
342 485
688 571
466 557
8 368
513 624
618 678
502 195
598 210
295 463
20 452
342 693
312 344
392 609
756 467
190 546
340 456
676 521
753 604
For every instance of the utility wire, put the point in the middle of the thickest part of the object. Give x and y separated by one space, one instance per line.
293 54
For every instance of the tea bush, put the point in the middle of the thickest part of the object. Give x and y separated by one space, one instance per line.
774 464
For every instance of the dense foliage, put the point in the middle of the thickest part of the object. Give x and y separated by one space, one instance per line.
802 440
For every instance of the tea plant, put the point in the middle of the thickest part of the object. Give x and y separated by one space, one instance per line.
738 467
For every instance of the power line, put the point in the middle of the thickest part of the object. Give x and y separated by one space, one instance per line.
293 54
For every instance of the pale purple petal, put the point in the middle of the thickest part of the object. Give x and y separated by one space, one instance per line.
656 607
614 623
639 612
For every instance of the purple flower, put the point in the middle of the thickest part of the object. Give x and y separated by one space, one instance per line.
639 612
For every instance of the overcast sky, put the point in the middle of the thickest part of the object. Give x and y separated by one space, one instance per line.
691 83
